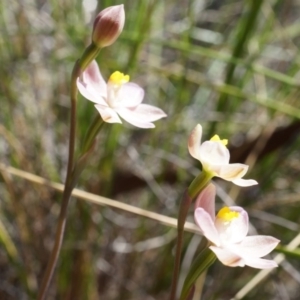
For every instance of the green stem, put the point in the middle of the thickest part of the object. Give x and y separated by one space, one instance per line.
67 191
197 185
57 244
200 264
89 54
92 133
183 211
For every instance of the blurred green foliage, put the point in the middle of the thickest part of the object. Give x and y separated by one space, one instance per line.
232 66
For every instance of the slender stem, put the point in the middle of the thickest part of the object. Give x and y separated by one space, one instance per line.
183 211
197 185
57 245
176 269
91 134
89 54
67 192
200 264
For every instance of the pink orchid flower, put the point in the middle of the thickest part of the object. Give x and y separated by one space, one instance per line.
118 97
214 157
227 233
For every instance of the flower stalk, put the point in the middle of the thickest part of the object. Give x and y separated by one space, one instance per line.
202 262
66 194
183 211
197 185
112 16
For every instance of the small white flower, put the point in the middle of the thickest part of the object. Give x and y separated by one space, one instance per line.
118 97
228 234
214 157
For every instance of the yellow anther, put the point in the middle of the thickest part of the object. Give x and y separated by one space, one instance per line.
216 138
226 214
118 78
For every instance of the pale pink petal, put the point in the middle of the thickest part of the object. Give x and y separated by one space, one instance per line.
206 200
89 92
260 263
195 141
227 257
244 182
233 172
107 114
256 246
93 78
241 224
130 117
213 153
91 84
131 94
235 230
144 125
147 113
206 225
142 116
230 172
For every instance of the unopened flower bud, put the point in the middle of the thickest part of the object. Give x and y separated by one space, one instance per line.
108 25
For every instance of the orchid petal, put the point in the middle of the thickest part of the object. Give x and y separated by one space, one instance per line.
142 115
147 113
108 114
91 84
206 225
235 230
227 257
130 117
195 141
131 94
213 153
89 93
206 200
92 76
244 182
231 171
260 263
256 246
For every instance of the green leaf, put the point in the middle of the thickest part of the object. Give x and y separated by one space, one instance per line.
291 253
200 264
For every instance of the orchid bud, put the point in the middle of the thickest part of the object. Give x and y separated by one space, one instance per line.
108 25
